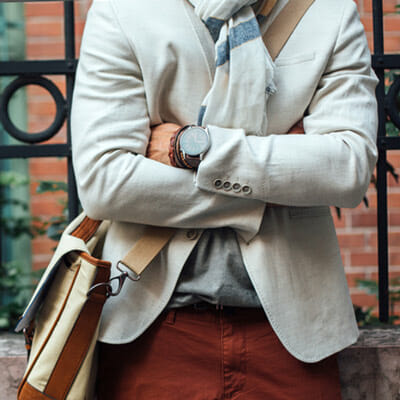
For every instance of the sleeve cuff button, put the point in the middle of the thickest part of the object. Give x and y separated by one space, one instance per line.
191 234
246 190
227 186
218 184
236 187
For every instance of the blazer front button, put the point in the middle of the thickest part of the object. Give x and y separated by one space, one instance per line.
246 190
227 186
218 184
191 234
236 187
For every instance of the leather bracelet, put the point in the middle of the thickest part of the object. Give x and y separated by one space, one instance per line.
171 149
175 155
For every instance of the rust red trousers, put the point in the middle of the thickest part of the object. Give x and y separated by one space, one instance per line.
211 354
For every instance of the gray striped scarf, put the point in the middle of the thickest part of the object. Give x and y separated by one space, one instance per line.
244 74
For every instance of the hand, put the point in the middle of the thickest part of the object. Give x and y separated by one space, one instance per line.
297 128
158 146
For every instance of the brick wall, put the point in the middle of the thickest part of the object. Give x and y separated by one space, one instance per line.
356 229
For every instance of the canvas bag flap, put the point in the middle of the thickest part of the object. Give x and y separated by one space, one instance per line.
67 244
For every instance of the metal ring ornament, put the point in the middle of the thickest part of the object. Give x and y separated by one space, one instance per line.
392 105
55 93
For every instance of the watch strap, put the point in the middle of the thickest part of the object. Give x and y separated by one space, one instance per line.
173 151
193 161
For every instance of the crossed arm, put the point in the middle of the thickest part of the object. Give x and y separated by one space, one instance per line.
330 165
158 146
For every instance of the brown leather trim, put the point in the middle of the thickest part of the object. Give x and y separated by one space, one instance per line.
86 229
95 261
24 382
28 392
78 342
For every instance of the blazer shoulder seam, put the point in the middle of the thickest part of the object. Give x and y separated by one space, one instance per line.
345 4
129 43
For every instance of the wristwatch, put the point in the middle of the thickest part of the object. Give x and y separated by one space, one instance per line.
188 146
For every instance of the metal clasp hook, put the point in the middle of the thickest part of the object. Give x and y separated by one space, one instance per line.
120 278
109 289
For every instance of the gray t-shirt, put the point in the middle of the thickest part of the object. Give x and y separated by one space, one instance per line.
214 272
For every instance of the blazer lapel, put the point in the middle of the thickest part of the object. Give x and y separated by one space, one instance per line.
204 38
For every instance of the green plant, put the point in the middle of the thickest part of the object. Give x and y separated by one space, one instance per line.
365 316
16 284
17 226
390 76
16 289
55 225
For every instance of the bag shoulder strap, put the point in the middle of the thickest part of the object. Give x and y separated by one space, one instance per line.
284 24
147 247
143 251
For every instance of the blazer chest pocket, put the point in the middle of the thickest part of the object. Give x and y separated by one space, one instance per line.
295 59
308 212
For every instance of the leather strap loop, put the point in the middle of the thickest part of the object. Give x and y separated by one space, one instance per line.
86 229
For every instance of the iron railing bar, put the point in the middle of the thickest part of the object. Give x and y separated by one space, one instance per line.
377 10
388 61
35 67
27 151
383 252
69 32
389 143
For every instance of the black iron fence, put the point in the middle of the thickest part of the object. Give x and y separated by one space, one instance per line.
388 107
32 72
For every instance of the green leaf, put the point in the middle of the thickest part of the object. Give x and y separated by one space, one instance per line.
395 281
4 323
55 231
391 130
11 178
51 186
370 286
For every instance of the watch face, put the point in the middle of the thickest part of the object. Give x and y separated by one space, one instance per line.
194 141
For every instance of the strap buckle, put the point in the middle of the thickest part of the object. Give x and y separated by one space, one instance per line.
119 278
133 276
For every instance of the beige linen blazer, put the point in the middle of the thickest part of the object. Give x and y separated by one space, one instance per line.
147 62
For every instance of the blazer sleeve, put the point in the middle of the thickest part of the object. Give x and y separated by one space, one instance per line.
110 132
332 163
